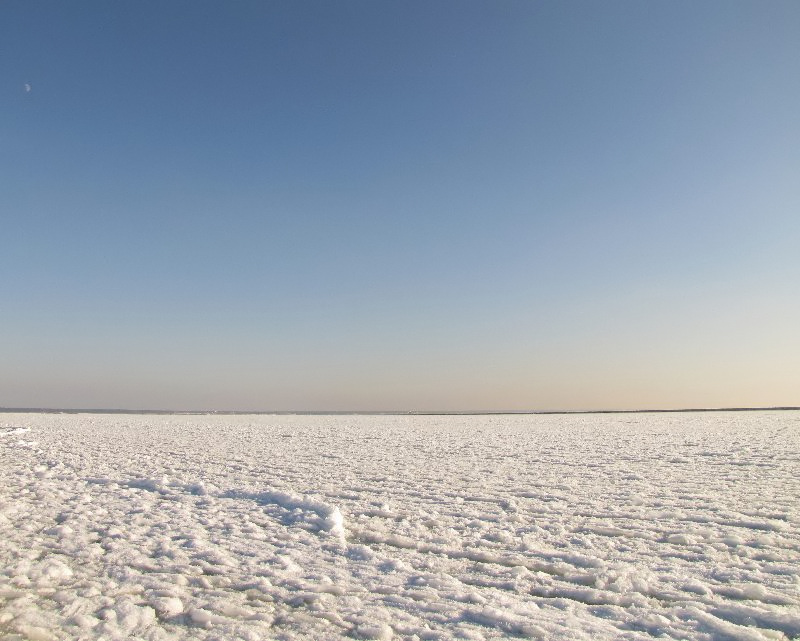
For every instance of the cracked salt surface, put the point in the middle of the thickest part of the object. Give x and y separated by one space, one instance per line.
671 526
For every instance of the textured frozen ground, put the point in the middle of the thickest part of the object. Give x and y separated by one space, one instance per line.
676 526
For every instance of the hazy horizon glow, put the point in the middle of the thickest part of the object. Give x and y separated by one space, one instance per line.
405 206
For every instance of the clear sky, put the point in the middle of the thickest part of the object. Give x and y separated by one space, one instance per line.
399 205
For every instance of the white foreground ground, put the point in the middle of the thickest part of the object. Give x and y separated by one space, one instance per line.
669 526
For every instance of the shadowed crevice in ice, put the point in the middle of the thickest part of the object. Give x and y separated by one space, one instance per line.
744 624
12 431
551 565
163 486
516 624
297 509
774 618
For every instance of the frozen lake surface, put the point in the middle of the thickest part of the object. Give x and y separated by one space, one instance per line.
619 526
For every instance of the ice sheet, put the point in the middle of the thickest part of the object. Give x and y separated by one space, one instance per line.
620 526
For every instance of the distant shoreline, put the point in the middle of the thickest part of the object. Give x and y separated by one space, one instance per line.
48 410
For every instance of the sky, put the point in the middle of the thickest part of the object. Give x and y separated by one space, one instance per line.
362 205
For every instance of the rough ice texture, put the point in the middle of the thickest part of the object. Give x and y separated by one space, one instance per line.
595 527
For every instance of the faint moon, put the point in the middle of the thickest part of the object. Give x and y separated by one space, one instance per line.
27 87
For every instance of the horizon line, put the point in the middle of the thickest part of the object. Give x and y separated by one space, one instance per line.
54 410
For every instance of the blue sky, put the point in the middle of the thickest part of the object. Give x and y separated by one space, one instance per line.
368 205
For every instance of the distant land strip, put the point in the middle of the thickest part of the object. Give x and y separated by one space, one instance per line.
50 410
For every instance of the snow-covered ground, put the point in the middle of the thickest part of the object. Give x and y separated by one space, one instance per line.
621 526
